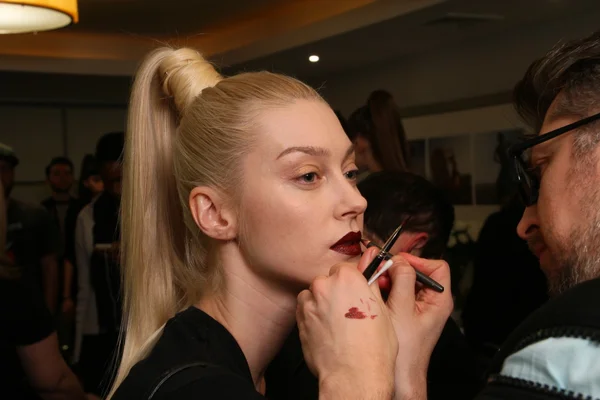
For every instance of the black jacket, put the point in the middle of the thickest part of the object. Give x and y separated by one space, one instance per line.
573 314
105 271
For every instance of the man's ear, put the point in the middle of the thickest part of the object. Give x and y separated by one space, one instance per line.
213 213
416 243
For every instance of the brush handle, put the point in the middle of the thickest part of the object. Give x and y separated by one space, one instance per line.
368 273
421 277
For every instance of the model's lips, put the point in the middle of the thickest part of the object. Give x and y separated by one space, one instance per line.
349 244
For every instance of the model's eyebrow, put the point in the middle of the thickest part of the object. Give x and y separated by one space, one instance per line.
313 151
310 150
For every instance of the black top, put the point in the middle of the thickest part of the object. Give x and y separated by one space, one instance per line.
24 320
74 206
452 370
192 336
31 234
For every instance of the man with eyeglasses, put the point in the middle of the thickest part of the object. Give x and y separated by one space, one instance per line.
555 352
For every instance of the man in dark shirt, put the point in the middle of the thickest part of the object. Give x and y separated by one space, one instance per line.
32 237
64 209
30 363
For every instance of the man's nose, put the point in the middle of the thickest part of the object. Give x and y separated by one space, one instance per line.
529 222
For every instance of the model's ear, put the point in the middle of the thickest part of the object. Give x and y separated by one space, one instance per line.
213 213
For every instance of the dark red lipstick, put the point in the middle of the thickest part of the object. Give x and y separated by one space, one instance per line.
349 244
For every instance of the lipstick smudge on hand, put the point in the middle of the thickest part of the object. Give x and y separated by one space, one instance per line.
373 316
355 313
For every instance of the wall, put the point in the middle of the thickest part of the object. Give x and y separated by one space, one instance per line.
469 69
40 132
61 114
467 122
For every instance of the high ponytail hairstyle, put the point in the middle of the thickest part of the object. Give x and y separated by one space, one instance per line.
187 127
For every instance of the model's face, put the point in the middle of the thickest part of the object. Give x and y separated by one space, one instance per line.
60 178
563 229
299 196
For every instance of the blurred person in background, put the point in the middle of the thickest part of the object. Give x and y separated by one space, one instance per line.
98 315
64 208
90 182
378 135
31 367
33 239
497 302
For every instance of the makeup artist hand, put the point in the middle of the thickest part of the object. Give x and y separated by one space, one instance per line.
419 315
347 336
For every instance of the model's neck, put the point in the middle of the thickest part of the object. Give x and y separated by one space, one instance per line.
257 313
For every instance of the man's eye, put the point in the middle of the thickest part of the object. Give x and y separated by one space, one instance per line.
535 170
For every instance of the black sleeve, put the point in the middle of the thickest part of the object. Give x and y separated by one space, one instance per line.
453 368
207 384
24 317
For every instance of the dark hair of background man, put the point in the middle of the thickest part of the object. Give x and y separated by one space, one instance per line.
58 161
394 196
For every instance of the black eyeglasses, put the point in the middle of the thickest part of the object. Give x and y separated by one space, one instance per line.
526 177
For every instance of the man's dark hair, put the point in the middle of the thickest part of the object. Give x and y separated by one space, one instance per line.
110 147
394 196
58 161
571 69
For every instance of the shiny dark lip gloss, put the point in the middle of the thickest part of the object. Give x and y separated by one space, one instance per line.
349 244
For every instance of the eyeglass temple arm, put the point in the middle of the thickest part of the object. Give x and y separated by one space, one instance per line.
518 148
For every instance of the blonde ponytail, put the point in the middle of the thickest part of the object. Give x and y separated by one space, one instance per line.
187 127
153 232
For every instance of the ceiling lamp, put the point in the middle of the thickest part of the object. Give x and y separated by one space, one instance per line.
20 16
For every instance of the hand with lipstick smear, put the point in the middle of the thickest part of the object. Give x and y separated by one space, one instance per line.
418 314
347 335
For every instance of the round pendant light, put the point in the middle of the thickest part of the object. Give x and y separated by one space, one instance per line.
21 16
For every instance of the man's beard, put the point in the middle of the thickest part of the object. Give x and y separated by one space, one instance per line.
578 256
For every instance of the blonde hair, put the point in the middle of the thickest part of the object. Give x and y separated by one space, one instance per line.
187 127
